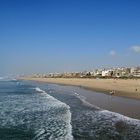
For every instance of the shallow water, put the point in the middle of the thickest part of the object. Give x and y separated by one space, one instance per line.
37 111
28 112
126 106
93 123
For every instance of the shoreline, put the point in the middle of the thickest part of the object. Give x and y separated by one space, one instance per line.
124 88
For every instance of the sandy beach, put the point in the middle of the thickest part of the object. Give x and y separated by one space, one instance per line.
126 88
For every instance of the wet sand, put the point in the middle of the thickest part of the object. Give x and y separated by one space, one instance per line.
126 88
126 106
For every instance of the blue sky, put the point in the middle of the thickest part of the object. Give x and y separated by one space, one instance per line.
68 35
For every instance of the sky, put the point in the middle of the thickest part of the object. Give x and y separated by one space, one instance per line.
42 36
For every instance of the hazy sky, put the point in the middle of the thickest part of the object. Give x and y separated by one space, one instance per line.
68 35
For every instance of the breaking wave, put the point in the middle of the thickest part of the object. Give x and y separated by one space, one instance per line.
66 131
103 124
34 116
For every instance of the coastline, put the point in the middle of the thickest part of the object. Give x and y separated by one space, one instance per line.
125 88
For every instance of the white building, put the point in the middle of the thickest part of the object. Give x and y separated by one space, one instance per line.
135 72
105 73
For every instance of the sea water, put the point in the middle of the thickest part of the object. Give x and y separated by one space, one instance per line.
29 113
36 111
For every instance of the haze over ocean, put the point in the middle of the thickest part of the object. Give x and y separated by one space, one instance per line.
73 35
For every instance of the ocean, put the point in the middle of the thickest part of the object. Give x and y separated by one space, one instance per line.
41 111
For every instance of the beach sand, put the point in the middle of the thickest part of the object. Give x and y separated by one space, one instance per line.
126 88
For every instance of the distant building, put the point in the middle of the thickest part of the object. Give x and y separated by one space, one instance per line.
112 72
98 72
135 72
105 73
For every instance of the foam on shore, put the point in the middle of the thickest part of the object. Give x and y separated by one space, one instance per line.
47 117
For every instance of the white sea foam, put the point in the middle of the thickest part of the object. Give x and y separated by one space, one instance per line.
106 112
83 99
106 125
118 116
103 121
67 116
48 117
76 94
39 90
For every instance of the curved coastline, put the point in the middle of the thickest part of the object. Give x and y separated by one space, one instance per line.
124 88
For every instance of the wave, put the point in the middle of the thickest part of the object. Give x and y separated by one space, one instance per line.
41 115
67 116
95 123
121 117
103 124
83 99
85 102
40 90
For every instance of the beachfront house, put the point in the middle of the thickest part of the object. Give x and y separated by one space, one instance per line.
98 73
105 73
135 72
